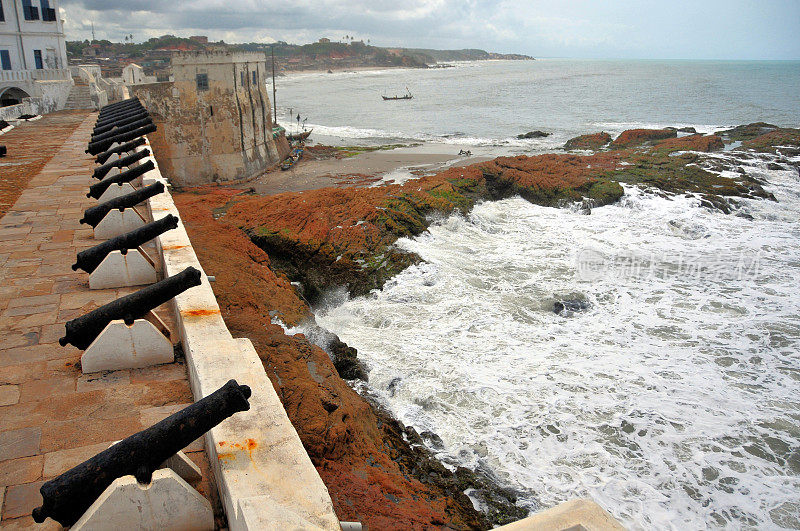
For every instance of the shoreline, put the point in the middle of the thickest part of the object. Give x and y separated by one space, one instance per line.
362 167
343 236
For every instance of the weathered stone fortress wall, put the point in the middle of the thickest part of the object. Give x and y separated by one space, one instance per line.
214 120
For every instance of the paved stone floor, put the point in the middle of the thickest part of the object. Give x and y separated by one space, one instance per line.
30 146
52 416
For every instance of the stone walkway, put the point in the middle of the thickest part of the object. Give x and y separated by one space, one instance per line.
30 146
52 416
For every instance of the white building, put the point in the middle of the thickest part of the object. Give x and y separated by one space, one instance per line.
33 54
133 74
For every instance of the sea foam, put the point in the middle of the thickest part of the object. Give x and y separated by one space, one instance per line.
672 400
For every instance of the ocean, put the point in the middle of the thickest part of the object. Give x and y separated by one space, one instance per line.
672 397
487 104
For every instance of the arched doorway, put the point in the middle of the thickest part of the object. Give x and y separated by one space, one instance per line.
12 96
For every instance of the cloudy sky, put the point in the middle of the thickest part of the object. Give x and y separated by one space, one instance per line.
675 29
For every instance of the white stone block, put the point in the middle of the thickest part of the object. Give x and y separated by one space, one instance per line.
167 503
116 223
118 270
184 467
116 190
574 515
120 346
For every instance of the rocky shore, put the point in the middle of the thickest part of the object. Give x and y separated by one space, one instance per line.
275 257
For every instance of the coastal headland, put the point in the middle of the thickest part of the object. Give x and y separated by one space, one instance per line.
276 256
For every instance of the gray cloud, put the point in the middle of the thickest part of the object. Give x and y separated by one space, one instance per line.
578 28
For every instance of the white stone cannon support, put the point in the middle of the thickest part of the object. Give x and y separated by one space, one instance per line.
119 346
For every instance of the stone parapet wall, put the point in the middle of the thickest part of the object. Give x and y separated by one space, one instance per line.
266 479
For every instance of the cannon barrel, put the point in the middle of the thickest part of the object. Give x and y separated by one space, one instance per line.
102 145
123 148
122 129
98 189
94 215
127 160
126 106
109 117
118 122
102 117
82 330
89 259
111 120
113 107
119 103
67 497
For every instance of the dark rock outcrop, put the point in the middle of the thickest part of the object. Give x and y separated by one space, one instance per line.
746 132
533 134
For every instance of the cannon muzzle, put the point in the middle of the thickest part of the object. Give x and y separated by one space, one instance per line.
127 160
85 329
98 189
94 215
67 497
102 145
89 259
124 148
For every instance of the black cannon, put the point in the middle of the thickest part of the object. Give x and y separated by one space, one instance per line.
123 148
110 117
113 107
98 189
127 160
67 497
119 121
98 147
83 330
89 259
122 129
94 215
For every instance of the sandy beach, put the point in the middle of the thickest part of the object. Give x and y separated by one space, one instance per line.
371 168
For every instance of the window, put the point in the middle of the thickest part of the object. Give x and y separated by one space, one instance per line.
242 78
2 15
28 11
5 60
37 58
48 13
255 78
202 81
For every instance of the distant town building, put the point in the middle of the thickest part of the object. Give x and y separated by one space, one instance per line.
202 39
324 40
133 74
214 119
33 54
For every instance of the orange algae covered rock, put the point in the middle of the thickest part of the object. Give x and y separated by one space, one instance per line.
704 143
357 451
637 137
593 141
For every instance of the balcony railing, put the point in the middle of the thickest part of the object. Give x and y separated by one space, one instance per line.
47 74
